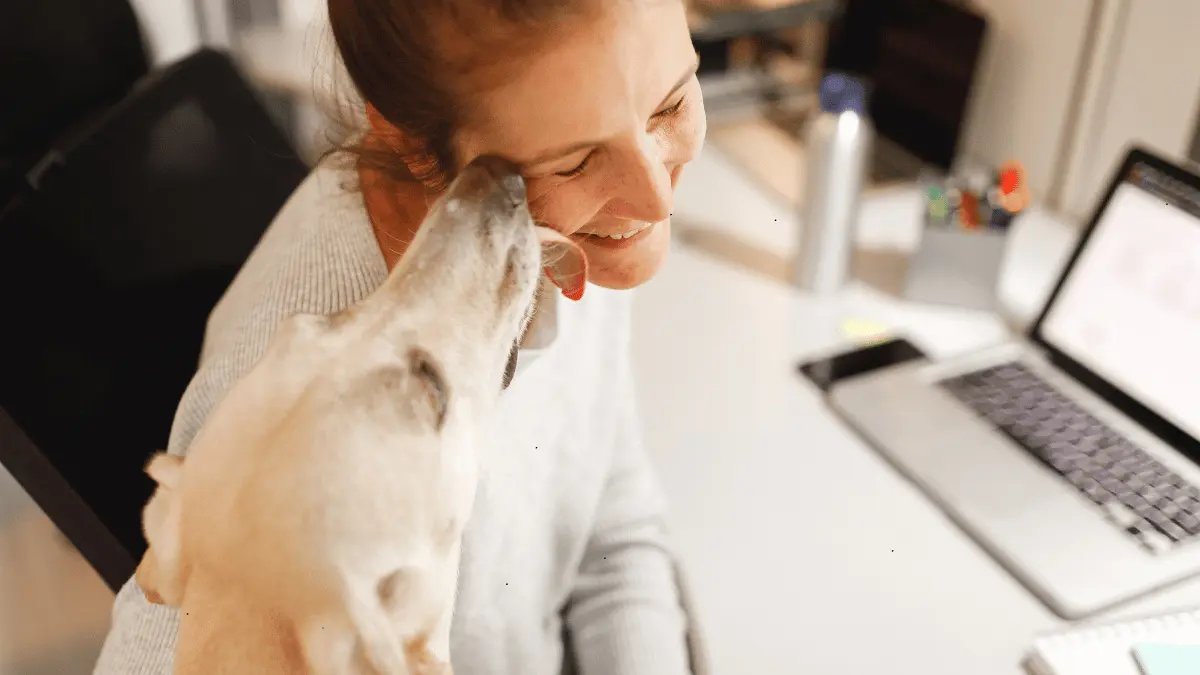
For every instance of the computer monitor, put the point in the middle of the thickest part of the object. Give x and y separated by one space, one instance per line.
918 59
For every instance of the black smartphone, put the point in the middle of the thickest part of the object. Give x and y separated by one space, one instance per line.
825 372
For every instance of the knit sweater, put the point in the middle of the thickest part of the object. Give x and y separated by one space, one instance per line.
564 562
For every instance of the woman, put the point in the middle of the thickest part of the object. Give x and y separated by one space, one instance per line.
564 564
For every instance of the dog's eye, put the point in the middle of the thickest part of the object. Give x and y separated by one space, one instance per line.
425 368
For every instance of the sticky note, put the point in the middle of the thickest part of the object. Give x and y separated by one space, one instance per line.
1168 659
864 332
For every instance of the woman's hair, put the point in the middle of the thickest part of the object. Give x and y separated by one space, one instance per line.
410 60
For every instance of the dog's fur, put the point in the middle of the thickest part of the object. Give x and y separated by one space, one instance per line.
316 523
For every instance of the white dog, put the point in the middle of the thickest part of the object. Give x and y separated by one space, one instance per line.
316 523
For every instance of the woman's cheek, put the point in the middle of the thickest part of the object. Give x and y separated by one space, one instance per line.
686 138
566 207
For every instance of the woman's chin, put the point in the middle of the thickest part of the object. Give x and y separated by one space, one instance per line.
630 265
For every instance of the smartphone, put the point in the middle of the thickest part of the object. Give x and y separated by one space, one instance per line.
826 372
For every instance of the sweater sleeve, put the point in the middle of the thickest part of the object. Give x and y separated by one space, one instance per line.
626 615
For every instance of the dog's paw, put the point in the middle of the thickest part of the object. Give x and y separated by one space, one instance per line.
421 661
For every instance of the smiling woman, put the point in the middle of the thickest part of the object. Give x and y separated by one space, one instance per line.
565 562
597 102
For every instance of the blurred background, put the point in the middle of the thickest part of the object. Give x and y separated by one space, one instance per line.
1062 87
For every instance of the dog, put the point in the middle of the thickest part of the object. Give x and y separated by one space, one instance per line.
316 523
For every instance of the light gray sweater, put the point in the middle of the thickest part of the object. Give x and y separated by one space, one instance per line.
564 561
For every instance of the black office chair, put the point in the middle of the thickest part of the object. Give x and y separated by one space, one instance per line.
61 63
110 263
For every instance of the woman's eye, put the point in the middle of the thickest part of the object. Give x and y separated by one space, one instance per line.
674 109
577 170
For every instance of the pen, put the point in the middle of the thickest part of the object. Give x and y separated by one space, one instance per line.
968 213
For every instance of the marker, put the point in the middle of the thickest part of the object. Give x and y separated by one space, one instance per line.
1013 187
968 214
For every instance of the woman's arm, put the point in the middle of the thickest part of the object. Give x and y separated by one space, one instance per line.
627 614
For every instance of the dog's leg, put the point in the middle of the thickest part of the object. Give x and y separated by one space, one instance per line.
382 648
439 636
329 644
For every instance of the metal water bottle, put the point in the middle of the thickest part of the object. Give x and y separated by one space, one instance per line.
837 150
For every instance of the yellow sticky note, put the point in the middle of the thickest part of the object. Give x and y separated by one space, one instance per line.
863 331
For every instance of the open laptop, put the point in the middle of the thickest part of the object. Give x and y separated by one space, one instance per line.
1073 455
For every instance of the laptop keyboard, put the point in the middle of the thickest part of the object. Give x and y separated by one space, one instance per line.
1151 503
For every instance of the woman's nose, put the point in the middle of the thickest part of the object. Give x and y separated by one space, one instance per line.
644 192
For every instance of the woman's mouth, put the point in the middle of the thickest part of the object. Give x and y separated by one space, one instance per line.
618 239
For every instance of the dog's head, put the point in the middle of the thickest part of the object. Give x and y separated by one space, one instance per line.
418 366
450 315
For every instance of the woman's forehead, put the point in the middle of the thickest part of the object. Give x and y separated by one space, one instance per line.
591 82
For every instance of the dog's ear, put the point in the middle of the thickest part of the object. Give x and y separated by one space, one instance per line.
433 384
164 469
159 524
146 577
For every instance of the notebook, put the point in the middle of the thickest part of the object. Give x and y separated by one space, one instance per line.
1168 659
1108 649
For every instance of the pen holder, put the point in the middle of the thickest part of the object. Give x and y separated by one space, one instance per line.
957 267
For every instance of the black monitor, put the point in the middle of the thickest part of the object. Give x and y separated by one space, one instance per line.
918 59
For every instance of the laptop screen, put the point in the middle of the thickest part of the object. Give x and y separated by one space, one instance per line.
1129 310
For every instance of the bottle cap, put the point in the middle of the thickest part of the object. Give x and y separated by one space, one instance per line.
843 93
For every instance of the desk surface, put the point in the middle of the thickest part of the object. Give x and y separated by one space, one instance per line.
802 545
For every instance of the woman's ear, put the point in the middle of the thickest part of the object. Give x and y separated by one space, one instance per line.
412 151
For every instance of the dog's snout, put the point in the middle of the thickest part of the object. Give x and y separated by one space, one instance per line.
505 174
496 167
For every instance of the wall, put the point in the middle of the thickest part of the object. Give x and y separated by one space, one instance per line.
169 27
1194 155
1026 85
1148 92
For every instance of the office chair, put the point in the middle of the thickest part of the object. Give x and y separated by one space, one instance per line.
61 63
110 263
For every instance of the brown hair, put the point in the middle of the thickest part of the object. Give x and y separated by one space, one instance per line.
400 58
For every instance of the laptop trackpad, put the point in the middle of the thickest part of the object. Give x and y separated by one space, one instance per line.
982 473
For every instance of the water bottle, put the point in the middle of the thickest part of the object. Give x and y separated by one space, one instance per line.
837 150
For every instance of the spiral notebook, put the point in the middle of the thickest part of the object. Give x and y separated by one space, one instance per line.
1109 649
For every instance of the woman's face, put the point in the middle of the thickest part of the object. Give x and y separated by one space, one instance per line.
602 123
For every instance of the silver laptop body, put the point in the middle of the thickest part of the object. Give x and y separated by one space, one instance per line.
1071 455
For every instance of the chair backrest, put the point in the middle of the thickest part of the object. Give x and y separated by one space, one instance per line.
61 62
108 271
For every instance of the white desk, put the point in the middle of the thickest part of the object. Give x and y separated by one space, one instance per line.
807 553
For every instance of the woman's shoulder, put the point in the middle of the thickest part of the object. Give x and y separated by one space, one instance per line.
318 256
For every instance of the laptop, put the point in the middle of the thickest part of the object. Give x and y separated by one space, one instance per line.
1072 455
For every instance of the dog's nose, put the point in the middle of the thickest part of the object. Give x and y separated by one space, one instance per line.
505 173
